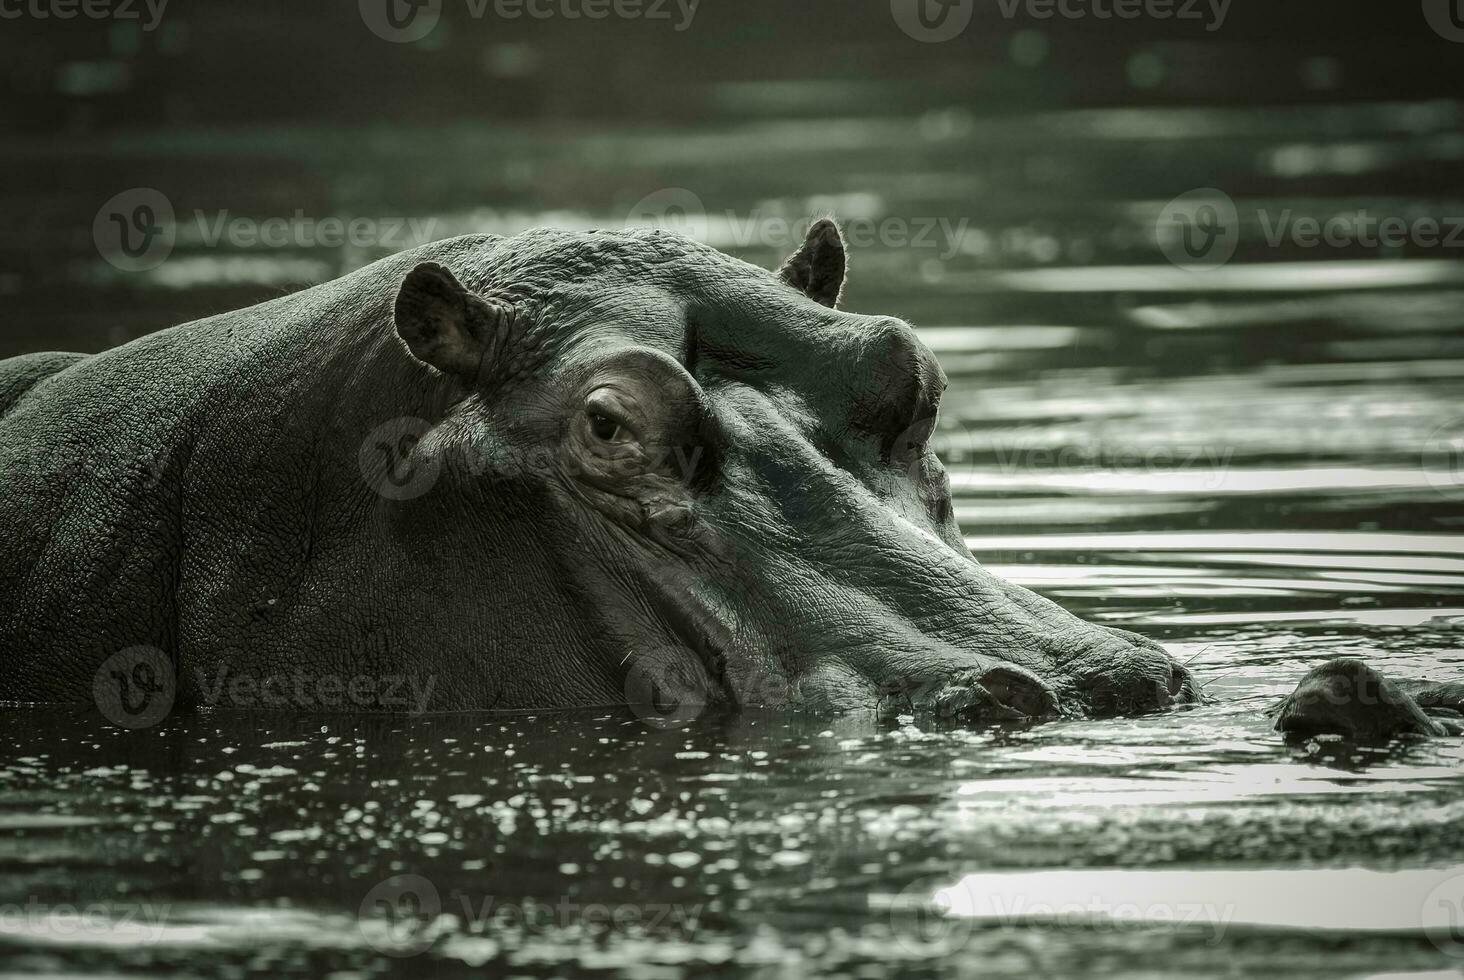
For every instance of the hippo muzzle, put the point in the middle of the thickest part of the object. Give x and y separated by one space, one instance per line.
1346 697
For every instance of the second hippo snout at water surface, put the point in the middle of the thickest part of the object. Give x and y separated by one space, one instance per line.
1348 698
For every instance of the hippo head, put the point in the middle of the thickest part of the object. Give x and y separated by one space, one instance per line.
730 485
1347 697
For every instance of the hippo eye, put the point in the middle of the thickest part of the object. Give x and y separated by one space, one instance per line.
604 428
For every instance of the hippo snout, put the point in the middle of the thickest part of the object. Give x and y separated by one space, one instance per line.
1347 697
1117 672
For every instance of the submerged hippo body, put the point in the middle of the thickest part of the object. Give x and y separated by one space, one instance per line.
522 472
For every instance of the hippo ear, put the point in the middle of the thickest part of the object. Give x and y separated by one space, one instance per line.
817 268
445 325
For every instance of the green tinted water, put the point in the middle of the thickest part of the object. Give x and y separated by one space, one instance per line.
1258 467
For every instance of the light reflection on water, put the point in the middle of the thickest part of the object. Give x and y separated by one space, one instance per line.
1245 464
1351 899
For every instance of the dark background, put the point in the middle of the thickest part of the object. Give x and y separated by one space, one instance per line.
1055 139
277 62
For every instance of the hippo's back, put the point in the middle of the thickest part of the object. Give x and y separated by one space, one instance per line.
18 375
157 493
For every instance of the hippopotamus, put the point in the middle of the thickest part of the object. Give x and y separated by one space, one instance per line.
1347 697
517 472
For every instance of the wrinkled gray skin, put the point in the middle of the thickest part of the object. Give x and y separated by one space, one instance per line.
1347 697
657 469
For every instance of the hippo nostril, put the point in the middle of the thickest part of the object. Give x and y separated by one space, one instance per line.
1021 691
1302 726
1119 672
997 694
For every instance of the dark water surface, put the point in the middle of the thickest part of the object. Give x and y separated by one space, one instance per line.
1258 465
